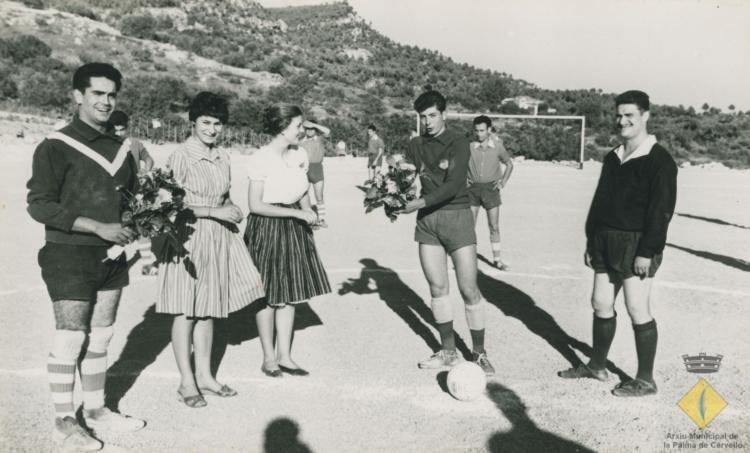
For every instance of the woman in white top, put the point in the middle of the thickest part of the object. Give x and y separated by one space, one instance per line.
279 236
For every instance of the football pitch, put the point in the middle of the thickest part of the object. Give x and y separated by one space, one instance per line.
362 342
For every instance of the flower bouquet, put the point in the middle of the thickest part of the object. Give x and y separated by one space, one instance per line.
392 189
152 209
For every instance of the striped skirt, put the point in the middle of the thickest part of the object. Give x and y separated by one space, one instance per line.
215 277
284 251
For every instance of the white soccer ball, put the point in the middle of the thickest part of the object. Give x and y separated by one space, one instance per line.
466 381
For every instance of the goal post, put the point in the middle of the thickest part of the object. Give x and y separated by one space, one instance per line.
499 116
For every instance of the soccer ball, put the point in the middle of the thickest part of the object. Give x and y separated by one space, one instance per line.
466 381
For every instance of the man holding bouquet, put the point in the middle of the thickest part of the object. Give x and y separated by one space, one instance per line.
73 191
445 227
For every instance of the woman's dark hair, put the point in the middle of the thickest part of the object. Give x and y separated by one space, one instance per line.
82 76
206 103
278 117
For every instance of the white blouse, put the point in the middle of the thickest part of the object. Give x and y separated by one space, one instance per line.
284 175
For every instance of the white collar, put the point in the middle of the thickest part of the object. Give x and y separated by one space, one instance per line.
490 144
643 149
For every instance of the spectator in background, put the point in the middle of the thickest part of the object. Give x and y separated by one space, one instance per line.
375 151
121 124
313 144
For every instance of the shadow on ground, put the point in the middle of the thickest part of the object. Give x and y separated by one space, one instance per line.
153 334
722 259
525 435
712 220
282 436
401 299
517 304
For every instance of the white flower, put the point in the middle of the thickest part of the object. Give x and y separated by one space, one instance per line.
406 166
163 196
397 158
391 187
443 164
139 197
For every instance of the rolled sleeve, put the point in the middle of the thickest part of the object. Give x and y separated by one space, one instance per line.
43 198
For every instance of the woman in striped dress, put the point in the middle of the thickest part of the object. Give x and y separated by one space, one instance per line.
279 236
214 275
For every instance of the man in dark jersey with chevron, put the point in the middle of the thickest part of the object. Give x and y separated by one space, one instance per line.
626 231
73 191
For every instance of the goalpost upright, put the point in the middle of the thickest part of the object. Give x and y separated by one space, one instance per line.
541 117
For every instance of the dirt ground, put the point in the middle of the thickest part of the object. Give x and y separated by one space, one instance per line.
362 342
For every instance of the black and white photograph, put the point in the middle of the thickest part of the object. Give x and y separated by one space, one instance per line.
376 226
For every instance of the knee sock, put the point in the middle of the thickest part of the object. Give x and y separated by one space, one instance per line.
61 369
321 211
646 337
604 333
94 367
496 251
442 310
475 318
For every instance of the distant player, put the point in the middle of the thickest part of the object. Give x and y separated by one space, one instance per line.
121 124
313 144
487 178
626 231
445 227
375 151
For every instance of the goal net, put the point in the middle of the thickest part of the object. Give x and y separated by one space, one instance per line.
555 138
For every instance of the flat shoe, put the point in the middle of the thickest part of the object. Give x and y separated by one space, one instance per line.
271 373
294 371
634 388
583 371
225 391
192 401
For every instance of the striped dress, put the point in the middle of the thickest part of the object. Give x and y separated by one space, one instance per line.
216 276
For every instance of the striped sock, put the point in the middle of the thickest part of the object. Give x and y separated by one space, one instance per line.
94 367
321 211
61 369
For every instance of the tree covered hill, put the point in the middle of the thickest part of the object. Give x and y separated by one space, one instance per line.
323 57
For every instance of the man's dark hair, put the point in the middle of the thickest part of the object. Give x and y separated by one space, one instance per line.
206 103
371 127
119 118
82 76
636 97
483 119
428 99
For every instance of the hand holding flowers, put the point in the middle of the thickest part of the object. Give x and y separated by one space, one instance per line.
394 190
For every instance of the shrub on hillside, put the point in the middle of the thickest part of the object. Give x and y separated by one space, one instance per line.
156 97
76 7
143 26
24 47
48 90
36 4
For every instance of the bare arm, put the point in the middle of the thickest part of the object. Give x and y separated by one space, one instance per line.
259 207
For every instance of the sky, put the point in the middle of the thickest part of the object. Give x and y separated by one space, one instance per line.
685 52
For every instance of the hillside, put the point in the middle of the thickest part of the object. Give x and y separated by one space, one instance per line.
324 57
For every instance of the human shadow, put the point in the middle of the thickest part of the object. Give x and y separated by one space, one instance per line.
524 434
240 326
712 220
153 334
282 436
401 299
723 259
517 304
144 344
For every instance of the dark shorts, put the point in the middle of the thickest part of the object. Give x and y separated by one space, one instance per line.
450 228
315 172
76 272
484 194
613 252
372 162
